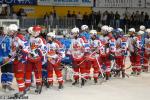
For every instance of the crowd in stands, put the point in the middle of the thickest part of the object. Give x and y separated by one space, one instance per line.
95 19
114 19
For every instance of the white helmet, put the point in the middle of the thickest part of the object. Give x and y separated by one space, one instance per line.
84 27
132 30
140 32
51 34
75 30
142 27
104 28
110 29
13 27
30 30
120 29
93 32
148 30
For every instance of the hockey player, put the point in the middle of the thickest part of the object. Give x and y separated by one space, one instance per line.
135 51
66 41
19 50
77 52
112 44
28 36
104 31
93 55
139 46
119 33
131 48
85 32
146 52
86 36
144 35
34 62
105 61
119 60
111 39
120 54
55 56
5 54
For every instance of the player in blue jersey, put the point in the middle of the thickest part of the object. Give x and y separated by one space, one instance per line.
85 32
6 63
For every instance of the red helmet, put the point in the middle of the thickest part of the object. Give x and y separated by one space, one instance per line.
37 28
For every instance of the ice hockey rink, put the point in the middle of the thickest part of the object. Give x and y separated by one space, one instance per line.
129 88
132 88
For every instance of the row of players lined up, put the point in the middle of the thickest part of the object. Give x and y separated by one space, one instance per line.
83 50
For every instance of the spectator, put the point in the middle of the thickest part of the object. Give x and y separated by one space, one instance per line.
132 19
126 18
111 19
142 18
4 11
98 18
79 19
104 18
54 14
117 19
108 19
74 15
14 15
68 14
21 14
137 18
85 19
146 20
51 18
92 18
46 18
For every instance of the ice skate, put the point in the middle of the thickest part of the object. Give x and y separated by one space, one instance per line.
60 86
75 82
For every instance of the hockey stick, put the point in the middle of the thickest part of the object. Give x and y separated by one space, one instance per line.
100 67
87 58
69 69
122 70
11 59
143 57
41 86
3 39
128 67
